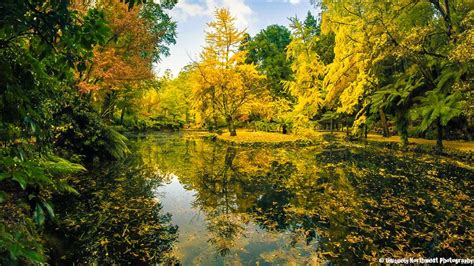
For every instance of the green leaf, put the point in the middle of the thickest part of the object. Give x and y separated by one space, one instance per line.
3 195
14 250
49 209
38 215
33 256
3 176
20 179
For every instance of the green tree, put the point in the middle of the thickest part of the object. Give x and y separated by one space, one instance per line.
438 108
268 51
42 45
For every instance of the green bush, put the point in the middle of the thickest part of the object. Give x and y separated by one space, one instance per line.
152 124
267 126
26 183
80 130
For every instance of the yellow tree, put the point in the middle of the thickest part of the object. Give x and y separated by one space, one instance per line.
308 71
398 50
360 43
223 82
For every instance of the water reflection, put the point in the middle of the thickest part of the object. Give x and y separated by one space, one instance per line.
272 205
309 205
116 219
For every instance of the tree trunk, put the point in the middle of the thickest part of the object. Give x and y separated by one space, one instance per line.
439 137
108 106
383 119
230 126
365 131
284 129
331 126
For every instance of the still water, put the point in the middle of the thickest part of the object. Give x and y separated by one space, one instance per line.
182 199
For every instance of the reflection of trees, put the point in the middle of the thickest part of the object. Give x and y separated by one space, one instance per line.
230 189
116 219
219 199
351 205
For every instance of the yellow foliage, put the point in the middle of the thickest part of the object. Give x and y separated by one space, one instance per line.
223 82
308 71
259 137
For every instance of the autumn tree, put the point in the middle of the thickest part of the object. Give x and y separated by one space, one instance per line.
308 70
168 100
404 49
224 83
139 38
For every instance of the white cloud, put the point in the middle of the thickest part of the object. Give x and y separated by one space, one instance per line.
240 11
183 10
294 2
238 8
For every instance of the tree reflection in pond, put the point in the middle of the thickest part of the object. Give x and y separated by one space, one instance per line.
115 219
342 206
281 205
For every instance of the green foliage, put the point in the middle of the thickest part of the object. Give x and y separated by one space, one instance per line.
35 177
115 143
161 25
43 44
267 50
39 172
437 105
80 130
20 243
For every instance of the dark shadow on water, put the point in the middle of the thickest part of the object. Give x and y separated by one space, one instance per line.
115 219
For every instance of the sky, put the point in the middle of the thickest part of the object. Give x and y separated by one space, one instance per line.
192 17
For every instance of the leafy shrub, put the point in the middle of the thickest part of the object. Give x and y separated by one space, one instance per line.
80 130
270 126
26 183
154 124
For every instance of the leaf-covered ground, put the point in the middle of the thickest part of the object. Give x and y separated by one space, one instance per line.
258 137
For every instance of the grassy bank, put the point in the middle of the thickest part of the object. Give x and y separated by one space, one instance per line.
246 137
249 137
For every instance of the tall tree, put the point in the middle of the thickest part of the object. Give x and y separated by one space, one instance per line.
224 83
308 70
415 37
139 38
268 51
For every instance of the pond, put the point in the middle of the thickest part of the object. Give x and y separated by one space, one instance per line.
182 199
